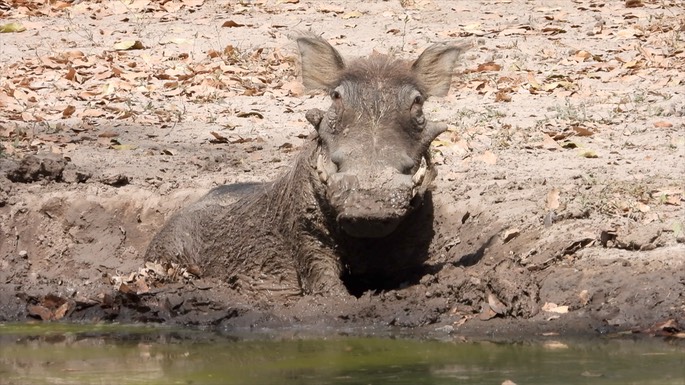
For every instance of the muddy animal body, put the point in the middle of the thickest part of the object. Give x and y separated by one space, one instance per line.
354 212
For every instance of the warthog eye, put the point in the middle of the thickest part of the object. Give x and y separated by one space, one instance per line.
416 110
335 95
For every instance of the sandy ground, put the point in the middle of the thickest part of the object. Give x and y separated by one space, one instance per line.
560 195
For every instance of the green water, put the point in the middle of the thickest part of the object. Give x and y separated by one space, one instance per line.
111 354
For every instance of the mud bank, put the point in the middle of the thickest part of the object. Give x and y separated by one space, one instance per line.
74 253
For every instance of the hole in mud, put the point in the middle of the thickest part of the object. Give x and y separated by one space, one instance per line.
358 285
392 262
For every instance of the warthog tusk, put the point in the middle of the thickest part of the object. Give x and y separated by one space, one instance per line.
321 169
417 178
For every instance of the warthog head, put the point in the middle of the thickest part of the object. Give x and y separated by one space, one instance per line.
374 139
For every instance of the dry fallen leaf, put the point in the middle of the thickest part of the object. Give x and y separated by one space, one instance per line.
643 208
582 131
553 30
68 111
61 311
662 124
668 328
352 15
38 311
629 33
175 40
487 313
218 138
108 134
124 147
532 81
503 95
552 307
496 305
249 114
581 56
548 143
128 45
231 24
141 286
171 6
12 27
589 154
329 8
489 66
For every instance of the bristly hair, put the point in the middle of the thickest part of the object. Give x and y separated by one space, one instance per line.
381 67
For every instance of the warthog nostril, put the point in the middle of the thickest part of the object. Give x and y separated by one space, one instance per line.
406 164
337 159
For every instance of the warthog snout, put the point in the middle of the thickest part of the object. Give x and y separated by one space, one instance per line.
371 191
371 205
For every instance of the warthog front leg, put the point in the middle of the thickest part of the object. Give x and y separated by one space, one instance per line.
320 269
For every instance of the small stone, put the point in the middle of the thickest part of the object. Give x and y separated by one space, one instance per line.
33 168
71 175
549 219
115 180
24 254
642 238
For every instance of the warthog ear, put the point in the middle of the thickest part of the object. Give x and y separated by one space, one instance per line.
434 67
321 63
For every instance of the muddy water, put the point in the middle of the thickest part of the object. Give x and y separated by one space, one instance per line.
111 354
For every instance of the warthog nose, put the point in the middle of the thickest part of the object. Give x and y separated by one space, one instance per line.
371 204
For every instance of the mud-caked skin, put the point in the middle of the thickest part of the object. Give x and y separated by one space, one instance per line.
354 212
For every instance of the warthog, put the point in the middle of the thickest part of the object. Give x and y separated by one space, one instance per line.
354 212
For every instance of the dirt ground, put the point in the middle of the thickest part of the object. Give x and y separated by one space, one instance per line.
560 196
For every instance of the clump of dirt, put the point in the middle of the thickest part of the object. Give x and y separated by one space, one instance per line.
559 201
32 169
